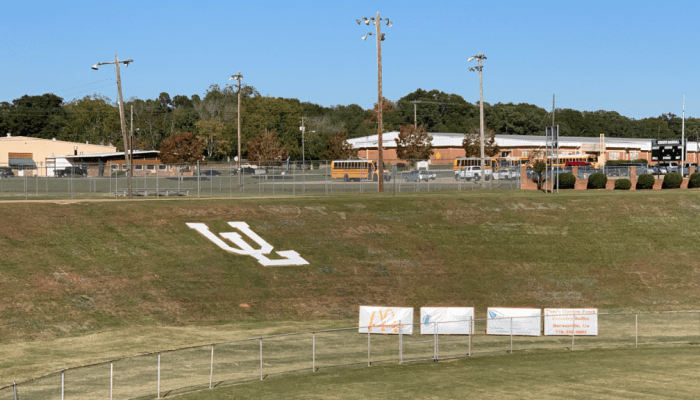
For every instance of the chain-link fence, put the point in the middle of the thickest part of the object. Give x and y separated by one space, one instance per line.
164 373
264 179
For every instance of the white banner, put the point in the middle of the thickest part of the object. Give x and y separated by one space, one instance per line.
386 320
516 321
571 321
446 320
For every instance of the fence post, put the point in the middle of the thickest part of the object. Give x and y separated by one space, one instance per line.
511 335
369 354
435 338
400 343
14 388
261 366
573 329
111 380
471 330
211 368
198 182
63 387
159 375
313 353
635 331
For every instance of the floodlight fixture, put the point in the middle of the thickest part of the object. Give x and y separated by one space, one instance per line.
94 67
388 23
364 37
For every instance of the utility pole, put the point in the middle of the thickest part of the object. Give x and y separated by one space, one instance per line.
240 171
480 58
131 140
557 150
415 115
380 122
303 130
683 140
127 156
380 106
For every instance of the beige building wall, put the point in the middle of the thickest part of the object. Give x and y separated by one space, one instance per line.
41 149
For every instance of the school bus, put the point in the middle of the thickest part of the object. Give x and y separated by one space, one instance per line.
573 160
461 162
356 170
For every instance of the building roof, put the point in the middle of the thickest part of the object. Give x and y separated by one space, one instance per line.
108 155
441 139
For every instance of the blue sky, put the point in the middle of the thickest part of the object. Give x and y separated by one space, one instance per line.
634 57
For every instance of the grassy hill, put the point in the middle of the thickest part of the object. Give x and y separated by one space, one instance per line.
74 268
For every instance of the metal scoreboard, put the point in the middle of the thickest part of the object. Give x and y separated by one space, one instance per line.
667 150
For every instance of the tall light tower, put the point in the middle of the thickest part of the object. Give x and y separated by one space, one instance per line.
380 122
240 171
480 57
127 151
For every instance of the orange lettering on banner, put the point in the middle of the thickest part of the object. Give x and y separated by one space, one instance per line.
382 318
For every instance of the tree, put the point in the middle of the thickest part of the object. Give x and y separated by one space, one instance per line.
539 167
181 148
94 119
339 148
266 148
38 116
212 135
472 143
437 111
413 144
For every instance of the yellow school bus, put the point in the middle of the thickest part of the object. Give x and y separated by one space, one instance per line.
462 162
356 170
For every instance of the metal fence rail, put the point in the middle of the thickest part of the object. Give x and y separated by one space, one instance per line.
223 180
164 373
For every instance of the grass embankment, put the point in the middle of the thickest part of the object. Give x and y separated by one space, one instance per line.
79 268
596 374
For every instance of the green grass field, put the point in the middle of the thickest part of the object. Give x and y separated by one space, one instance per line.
89 281
596 374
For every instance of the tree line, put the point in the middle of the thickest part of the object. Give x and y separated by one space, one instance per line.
270 126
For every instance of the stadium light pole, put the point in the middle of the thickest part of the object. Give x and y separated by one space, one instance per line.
380 123
480 57
240 171
127 152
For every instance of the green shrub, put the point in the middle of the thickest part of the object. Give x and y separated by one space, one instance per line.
694 180
567 180
672 181
117 174
640 161
645 181
597 181
623 184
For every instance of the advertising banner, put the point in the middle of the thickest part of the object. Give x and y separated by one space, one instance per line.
386 320
518 321
446 320
571 321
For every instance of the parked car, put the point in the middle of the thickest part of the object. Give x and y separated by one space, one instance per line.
473 172
666 167
74 171
210 172
585 173
506 174
6 172
686 168
419 175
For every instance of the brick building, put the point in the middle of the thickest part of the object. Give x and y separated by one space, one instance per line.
448 146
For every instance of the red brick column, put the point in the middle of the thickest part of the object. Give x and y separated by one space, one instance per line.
633 178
